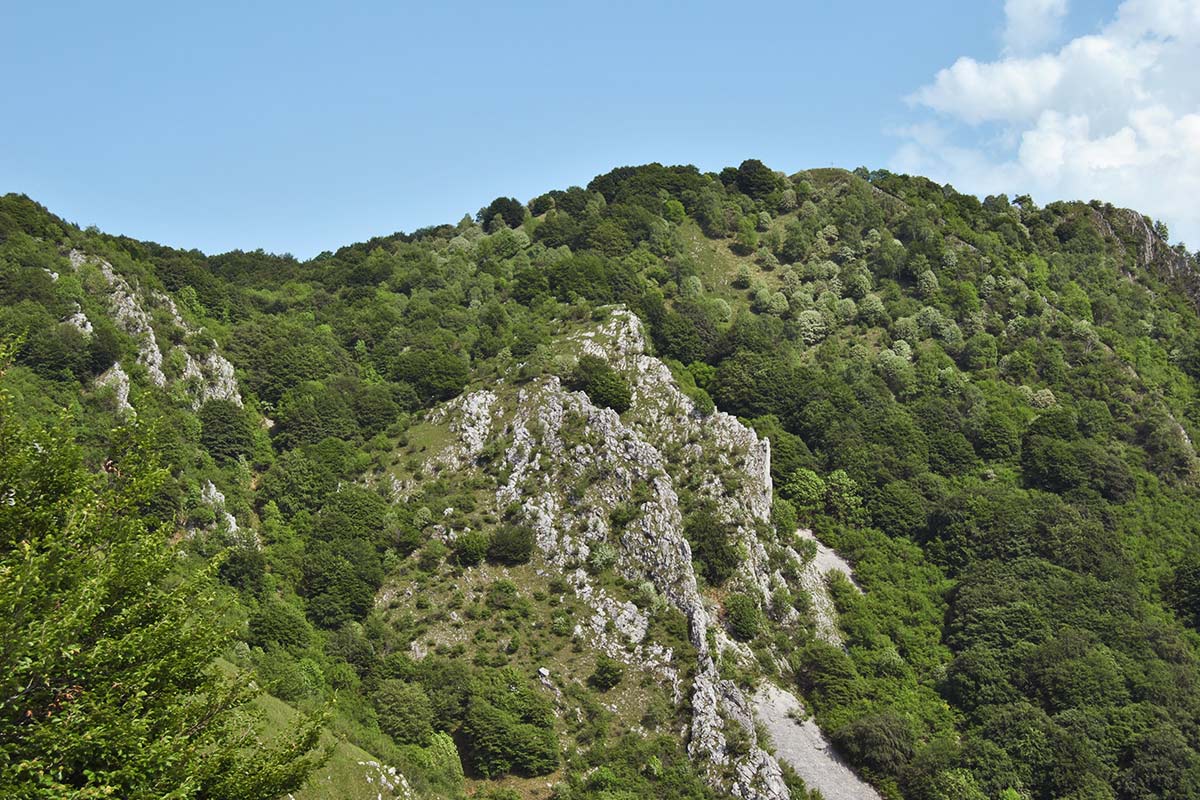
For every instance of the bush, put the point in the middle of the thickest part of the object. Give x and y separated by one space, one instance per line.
899 509
602 384
502 594
498 743
506 726
404 711
470 548
432 555
435 374
784 517
295 482
1184 589
742 617
881 742
712 545
225 430
277 622
285 677
511 210
608 674
511 544
361 513
340 581
805 489
602 556
245 568
754 178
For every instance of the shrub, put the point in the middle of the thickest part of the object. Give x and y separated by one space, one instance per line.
882 742
811 327
927 284
608 673
1184 589
602 384
502 594
742 617
432 555
404 711
712 545
784 517
470 548
742 277
509 209
899 509
499 743
225 430
602 556
754 178
435 373
277 622
805 489
511 544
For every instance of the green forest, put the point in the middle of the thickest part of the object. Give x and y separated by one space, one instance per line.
988 408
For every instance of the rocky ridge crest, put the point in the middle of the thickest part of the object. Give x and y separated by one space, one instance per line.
567 464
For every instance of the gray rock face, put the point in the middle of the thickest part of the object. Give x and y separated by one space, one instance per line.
215 499
129 315
1153 252
210 378
733 463
470 418
207 378
568 464
80 322
119 381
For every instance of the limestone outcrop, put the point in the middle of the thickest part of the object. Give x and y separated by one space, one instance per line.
201 378
568 464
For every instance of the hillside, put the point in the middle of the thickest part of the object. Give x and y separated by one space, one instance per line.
701 485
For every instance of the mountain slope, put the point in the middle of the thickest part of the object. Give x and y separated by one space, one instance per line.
456 457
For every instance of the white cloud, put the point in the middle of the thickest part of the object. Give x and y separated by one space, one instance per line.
1030 25
1114 115
1002 90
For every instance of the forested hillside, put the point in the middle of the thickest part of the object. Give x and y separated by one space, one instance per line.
987 408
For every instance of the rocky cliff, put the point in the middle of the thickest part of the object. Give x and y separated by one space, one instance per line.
1153 253
567 465
201 378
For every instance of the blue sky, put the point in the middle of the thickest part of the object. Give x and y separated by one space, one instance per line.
301 126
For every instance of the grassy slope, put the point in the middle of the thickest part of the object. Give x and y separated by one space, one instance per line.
342 777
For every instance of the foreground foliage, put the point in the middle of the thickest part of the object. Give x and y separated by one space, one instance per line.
107 681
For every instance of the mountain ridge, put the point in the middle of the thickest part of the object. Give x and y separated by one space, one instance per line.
435 452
